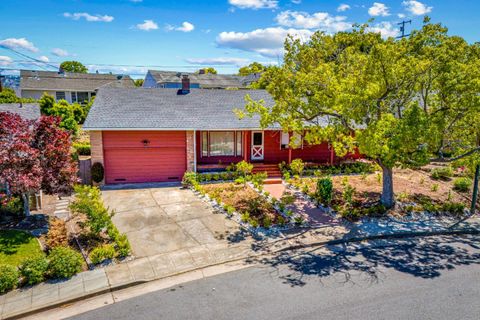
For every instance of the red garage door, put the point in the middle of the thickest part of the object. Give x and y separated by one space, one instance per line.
144 156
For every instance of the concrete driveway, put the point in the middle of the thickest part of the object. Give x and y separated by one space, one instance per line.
159 220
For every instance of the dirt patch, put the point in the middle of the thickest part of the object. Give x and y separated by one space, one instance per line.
414 189
253 207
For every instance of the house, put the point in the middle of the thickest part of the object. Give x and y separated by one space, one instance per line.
147 135
73 87
173 80
29 111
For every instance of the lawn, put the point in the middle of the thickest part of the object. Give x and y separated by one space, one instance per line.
415 189
16 246
254 208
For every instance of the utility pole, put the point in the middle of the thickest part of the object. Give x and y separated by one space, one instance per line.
402 28
1 85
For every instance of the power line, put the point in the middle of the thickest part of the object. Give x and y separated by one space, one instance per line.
28 57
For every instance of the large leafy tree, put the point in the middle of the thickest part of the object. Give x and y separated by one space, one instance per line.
254 67
393 100
73 66
35 155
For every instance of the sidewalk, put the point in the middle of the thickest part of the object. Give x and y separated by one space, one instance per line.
115 277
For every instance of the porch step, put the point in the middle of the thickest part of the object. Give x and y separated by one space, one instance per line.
273 181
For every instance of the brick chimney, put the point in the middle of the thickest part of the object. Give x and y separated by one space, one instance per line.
185 85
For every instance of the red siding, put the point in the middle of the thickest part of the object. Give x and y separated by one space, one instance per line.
272 151
127 159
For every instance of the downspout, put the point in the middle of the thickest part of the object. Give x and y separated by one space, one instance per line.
194 150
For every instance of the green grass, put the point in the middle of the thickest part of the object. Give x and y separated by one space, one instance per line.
16 246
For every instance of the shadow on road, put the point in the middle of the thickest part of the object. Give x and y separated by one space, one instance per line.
424 258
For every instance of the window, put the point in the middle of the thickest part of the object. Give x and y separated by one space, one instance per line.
79 97
284 140
60 95
204 144
239 143
222 143
258 138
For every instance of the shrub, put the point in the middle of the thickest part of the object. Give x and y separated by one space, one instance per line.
64 262
189 179
442 173
10 205
258 179
97 172
33 270
8 277
455 208
462 184
297 166
57 234
434 187
87 201
102 253
123 245
324 192
82 149
347 194
244 168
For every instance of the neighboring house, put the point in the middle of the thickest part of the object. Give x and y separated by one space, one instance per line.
251 78
29 111
73 87
173 80
144 135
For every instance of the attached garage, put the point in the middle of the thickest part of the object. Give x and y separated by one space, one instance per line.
144 156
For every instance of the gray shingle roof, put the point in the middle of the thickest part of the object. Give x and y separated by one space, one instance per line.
141 108
51 80
205 80
30 111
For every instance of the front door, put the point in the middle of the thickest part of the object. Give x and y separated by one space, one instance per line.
257 145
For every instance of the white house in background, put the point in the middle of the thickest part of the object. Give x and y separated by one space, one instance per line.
73 87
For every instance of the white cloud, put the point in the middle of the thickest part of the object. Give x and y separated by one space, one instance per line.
88 17
5 61
378 9
296 1
386 29
147 25
18 43
59 52
318 20
43 58
267 42
401 15
254 4
218 61
92 68
343 7
416 7
185 27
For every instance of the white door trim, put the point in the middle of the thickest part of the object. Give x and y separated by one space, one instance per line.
258 151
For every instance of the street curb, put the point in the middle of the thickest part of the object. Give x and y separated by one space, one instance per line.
399 235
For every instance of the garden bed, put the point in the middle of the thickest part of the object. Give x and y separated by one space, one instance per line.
416 192
242 199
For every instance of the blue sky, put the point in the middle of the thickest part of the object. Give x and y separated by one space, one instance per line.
131 36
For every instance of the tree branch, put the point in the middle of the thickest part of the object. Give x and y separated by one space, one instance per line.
466 154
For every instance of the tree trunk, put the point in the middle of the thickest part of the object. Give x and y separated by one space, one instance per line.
387 198
475 190
26 204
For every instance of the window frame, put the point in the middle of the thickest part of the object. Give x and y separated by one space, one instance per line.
237 149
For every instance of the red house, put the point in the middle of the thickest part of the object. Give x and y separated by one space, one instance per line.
155 135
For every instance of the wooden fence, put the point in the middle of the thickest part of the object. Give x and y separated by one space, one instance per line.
84 172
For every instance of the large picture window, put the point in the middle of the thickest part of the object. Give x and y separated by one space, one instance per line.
222 143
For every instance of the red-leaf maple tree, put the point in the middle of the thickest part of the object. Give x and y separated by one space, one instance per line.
35 155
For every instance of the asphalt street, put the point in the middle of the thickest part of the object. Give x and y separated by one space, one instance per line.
431 278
